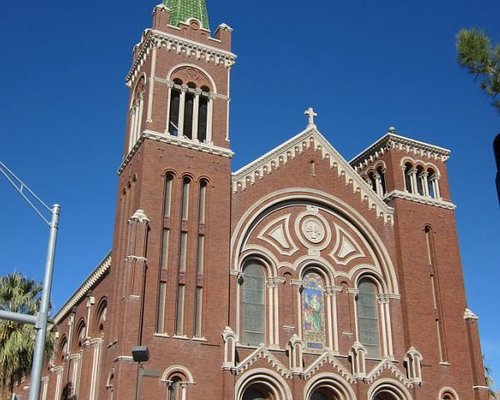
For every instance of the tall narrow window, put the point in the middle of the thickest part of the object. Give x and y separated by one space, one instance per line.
174 391
162 290
136 111
175 99
189 112
373 182
368 328
200 260
420 181
313 311
185 199
181 287
408 177
432 183
203 114
381 174
253 305
436 295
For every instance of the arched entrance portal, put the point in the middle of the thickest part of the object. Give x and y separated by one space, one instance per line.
258 392
390 391
325 394
385 396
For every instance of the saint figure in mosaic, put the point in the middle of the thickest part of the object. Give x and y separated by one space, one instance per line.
313 311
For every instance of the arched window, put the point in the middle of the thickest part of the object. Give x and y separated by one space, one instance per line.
421 181
203 113
63 348
381 174
409 172
253 306
102 311
181 288
136 111
190 108
81 333
313 311
164 253
200 259
178 380
432 183
175 101
368 326
174 389
373 182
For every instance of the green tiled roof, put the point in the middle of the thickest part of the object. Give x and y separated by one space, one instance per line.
182 10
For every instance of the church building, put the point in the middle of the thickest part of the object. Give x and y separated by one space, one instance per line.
301 276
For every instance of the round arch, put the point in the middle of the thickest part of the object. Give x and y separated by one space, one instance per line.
261 257
179 67
299 196
452 394
264 381
141 79
388 389
330 386
177 369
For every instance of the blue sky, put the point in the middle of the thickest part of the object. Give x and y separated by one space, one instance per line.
363 66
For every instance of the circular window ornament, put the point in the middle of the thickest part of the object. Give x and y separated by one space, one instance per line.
313 230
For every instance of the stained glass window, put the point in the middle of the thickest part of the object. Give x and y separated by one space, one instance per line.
253 305
313 311
368 317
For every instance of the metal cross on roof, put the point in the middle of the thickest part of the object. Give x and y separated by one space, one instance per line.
311 114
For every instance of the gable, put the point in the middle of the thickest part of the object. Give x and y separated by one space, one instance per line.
311 139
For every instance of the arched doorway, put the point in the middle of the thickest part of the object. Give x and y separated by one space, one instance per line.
258 392
325 394
390 391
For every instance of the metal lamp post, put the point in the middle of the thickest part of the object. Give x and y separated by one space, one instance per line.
40 321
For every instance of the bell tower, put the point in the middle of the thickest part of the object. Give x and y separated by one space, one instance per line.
172 230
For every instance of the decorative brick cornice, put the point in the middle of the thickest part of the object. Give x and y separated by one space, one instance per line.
393 368
392 141
310 138
82 291
176 141
469 315
263 353
329 358
190 49
399 194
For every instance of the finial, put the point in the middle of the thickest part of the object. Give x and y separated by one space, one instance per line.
392 129
311 114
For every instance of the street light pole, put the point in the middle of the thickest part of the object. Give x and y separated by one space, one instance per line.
40 321
41 325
